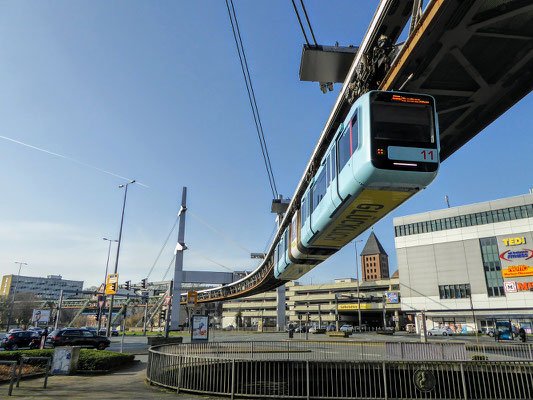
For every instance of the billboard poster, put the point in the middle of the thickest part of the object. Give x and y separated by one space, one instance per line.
200 328
40 316
391 298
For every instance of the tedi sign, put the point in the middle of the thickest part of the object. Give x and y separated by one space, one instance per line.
517 241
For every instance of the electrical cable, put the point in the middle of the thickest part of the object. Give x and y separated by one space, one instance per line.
163 247
300 21
308 23
169 265
251 97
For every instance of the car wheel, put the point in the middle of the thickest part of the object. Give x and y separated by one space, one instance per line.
101 346
491 334
444 333
14 347
429 334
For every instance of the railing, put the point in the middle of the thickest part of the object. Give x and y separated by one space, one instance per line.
326 370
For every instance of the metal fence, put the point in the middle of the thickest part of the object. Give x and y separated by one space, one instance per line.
349 351
294 370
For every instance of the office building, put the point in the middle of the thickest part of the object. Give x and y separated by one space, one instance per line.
46 288
470 266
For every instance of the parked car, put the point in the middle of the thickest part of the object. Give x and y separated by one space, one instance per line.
103 332
440 331
90 328
36 329
15 340
346 328
331 328
16 330
300 329
77 337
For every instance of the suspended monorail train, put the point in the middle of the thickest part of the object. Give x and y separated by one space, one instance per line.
385 151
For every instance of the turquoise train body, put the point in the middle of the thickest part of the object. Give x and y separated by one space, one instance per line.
385 151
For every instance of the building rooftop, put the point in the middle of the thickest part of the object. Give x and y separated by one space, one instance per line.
373 246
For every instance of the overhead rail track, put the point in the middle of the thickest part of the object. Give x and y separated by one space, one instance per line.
474 56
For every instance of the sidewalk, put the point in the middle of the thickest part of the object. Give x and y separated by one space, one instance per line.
124 384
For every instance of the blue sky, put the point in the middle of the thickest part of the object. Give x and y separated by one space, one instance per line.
154 91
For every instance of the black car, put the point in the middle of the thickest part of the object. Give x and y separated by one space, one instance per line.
15 340
103 332
77 337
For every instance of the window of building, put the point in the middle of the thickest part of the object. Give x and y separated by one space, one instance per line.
486 217
492 266
458 291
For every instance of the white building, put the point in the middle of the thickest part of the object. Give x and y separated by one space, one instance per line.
470 262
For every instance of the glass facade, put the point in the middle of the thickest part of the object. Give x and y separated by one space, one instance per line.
481 218
492 266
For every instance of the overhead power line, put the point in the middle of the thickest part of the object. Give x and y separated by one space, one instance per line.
308 22
251 95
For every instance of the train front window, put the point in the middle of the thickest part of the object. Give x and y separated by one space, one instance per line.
402 118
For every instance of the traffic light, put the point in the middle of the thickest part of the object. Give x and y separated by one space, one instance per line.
143 283
97 315
128 285
162 314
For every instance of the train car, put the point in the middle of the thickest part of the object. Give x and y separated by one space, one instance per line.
385 151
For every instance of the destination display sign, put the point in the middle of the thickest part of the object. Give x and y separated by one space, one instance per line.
419 154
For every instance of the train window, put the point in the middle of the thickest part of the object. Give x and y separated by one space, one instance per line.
344 151
333 163
305 208
354 133
409 122
294 227
319 188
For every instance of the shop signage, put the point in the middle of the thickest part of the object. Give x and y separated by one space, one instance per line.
510 287
511 255
513 271
354 307
391 297
513 287
514 241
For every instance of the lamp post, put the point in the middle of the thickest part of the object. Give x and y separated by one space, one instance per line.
358 284
108 332
105 280
14 294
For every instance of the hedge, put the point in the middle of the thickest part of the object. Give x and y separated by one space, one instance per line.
90 360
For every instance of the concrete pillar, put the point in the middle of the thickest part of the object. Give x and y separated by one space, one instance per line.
280 324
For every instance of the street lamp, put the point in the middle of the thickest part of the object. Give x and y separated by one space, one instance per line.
358 283
118 253
14 294
105 280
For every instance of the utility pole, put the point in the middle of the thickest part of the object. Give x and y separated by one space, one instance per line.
424 328
169 310
384 312
336 313
14 294
358 284
100 315
58 314
110 315
175 288
145 317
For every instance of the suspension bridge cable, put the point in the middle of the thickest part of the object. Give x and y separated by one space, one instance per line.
308 23
300 21
251 97
163 247
169 265
224 236
211 260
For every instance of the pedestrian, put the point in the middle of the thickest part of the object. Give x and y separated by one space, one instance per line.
522 334
44 336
